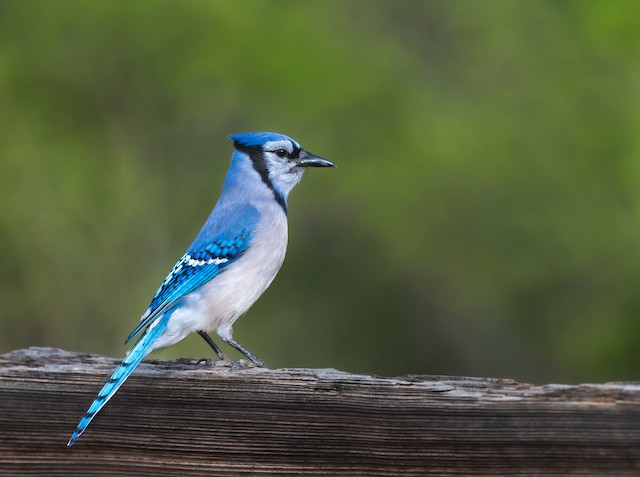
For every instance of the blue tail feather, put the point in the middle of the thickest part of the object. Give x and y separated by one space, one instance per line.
122 372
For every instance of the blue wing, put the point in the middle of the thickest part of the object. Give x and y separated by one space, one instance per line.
199 265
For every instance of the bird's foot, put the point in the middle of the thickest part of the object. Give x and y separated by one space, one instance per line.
225 362
246 364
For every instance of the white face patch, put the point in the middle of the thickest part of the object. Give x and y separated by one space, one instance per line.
281 144
283 173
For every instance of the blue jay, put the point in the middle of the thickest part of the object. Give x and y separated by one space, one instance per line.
231 262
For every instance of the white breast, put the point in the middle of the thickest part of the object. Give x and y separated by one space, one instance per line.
217 304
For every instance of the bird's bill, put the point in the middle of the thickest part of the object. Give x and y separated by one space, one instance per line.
309 160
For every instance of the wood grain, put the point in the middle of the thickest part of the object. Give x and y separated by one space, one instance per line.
176 418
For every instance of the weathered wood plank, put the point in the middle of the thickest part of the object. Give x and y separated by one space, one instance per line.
175 418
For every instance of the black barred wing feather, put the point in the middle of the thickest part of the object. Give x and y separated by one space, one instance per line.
192 271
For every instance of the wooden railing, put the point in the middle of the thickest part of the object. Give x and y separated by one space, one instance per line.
179 418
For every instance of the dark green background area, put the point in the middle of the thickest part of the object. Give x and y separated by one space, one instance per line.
484 218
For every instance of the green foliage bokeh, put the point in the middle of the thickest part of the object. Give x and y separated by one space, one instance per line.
484 218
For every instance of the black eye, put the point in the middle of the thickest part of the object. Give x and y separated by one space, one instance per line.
281 153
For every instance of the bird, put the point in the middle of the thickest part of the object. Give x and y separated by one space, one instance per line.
231 262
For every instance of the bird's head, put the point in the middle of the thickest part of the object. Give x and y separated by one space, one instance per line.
278 159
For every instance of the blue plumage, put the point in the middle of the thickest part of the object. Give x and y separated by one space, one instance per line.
232 260
257 139
119 376
194 269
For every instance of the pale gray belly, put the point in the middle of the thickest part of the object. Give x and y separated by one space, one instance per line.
218 303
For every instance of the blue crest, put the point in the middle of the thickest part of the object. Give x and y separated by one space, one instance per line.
257 139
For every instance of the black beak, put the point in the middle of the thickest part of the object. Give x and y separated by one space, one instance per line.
309 160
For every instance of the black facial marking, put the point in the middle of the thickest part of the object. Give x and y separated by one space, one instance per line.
260 165
295 154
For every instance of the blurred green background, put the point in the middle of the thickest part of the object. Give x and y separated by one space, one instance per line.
484 218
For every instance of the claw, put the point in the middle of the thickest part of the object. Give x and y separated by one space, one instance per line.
245 364
227 363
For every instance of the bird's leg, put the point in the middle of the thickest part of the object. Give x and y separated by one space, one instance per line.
257 361
226 334
254 359
214 346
